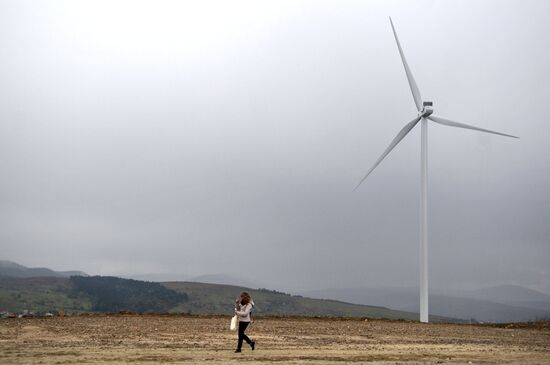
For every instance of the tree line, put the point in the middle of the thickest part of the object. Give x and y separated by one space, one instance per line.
112 294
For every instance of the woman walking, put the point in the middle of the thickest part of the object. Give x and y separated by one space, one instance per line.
243 306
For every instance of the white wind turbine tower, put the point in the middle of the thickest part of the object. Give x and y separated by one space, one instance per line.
425 110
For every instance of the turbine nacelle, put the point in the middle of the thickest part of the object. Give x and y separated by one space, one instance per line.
427 109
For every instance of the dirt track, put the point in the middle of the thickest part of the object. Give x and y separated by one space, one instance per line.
154 339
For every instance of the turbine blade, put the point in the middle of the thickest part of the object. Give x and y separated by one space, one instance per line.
450 123
406 129
412 83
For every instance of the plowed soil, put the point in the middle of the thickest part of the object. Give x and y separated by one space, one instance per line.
154 339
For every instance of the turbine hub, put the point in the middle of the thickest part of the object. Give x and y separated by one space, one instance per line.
427 109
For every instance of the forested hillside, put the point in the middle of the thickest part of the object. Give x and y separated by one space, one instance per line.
112 294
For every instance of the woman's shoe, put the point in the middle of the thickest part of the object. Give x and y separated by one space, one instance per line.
253 344
237 350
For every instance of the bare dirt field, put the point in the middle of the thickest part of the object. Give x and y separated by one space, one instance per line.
154 339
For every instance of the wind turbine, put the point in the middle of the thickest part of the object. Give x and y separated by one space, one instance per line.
425 110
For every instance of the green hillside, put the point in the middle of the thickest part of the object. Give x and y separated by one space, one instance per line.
86 294
41 294
110 294
218 299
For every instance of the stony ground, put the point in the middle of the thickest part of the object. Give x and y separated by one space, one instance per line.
154 339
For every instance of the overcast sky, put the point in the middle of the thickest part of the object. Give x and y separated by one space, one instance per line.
204 137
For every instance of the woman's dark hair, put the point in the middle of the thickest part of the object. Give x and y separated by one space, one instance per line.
245 298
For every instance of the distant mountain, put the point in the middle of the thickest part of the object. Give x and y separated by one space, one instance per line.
9 268
226 279
480 310
156 277
512 295
498 304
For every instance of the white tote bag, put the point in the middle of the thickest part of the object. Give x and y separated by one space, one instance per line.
233 325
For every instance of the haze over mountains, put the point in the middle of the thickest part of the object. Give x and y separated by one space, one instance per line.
10 268
88 294
207 278
507 303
